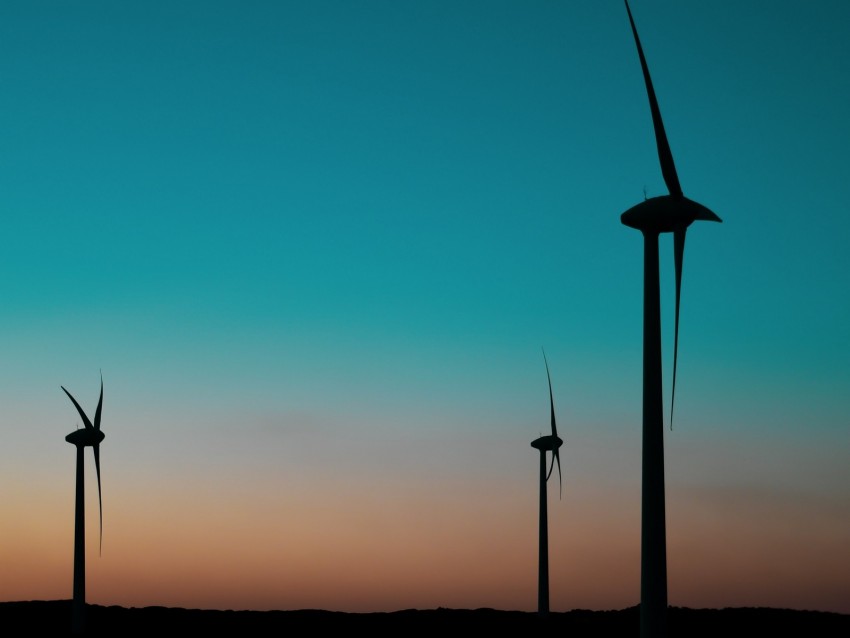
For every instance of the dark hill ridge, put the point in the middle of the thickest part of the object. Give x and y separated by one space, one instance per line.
53 618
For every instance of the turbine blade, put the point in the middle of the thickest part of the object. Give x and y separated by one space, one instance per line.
79 409
665 156
99 406
557 456
96 448
551 400
679 255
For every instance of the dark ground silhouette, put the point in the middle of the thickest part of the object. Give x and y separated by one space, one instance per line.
54 618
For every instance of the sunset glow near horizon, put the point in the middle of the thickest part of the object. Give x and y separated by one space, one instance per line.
316 250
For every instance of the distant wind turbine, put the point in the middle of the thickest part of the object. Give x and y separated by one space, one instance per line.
664 214
549 443
90 435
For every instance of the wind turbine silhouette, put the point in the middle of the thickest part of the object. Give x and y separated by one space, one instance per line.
90 435
663 214
549 443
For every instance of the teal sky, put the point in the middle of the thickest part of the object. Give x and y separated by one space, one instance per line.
315 249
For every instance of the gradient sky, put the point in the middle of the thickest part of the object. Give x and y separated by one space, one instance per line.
315 249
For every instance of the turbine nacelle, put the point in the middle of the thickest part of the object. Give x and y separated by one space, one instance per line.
548 443
85 436
666 214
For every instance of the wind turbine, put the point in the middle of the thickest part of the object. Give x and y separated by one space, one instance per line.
90 435
671 213
549 443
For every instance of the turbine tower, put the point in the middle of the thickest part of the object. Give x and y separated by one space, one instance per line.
549 443
90 435
671 213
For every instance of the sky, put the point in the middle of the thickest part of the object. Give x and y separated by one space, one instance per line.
317 249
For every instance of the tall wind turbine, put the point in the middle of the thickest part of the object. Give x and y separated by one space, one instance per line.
671 213
549 443
90 435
